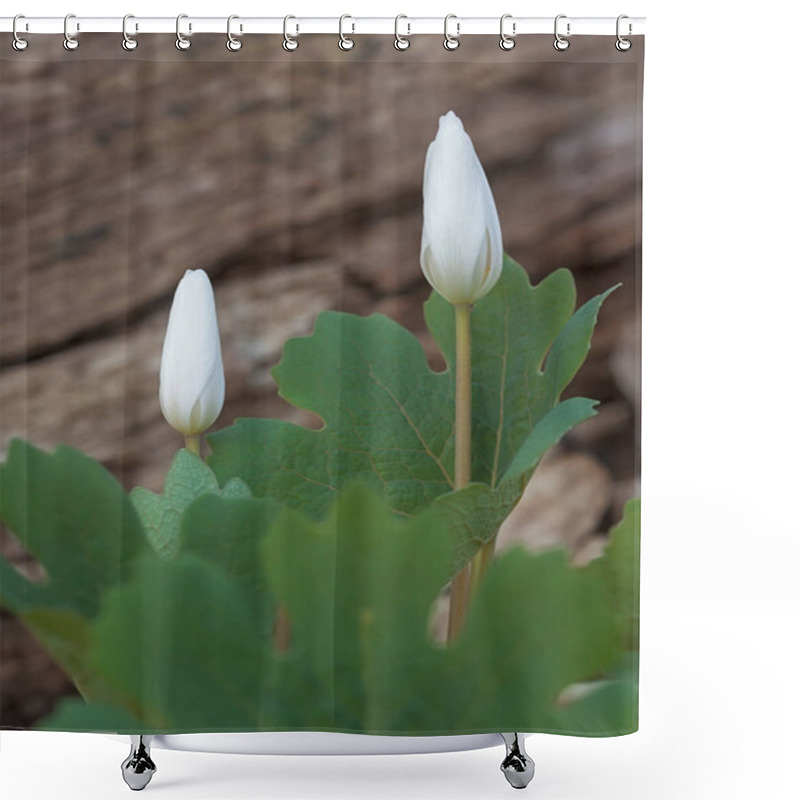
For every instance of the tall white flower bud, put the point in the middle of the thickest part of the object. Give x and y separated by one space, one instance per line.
462 246
192 387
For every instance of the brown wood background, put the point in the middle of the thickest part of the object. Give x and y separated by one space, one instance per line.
295 181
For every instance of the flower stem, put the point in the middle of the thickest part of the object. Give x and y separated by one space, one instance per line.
459 591
463 395
193 443
480 563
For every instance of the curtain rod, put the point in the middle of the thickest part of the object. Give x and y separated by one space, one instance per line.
347 25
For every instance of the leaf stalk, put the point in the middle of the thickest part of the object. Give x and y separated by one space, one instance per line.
282 631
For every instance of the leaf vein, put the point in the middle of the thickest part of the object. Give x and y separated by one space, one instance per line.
402 410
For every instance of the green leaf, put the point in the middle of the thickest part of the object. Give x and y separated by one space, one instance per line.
535 626
74 517
188 478
367 378
474 515
65 635
227 532
299 558
619 568
178 645
547 433
388 418
513 328
78 716
610 706
360 614
614 700
572 346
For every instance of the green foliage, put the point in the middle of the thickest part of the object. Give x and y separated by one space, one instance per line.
162 607
188 478
360 616
70 514
228 535
388 417
182 649
73 516
619 571
178 645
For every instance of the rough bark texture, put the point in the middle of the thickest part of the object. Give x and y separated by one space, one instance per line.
295 181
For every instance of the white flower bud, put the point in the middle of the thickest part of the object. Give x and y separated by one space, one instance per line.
462 246
192 379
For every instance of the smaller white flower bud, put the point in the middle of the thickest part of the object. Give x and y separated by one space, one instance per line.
192 387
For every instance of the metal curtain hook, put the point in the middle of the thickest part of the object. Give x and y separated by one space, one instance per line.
401 42
621 44
181 42
18 43
346 43
290 43
234 44
507 42
451 42
70 42
560 42
129 42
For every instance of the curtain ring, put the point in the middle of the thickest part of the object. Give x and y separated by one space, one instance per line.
234 44
401 42
507 42
129 42
18 43
290 43
181 42
451 42
70 42
345 43
623 45
560 42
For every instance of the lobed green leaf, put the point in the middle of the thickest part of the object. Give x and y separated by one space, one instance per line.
75 519
388 417
189 477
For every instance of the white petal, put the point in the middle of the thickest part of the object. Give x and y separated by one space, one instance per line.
458 209
192 387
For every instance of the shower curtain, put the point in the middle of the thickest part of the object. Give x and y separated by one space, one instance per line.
320 386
